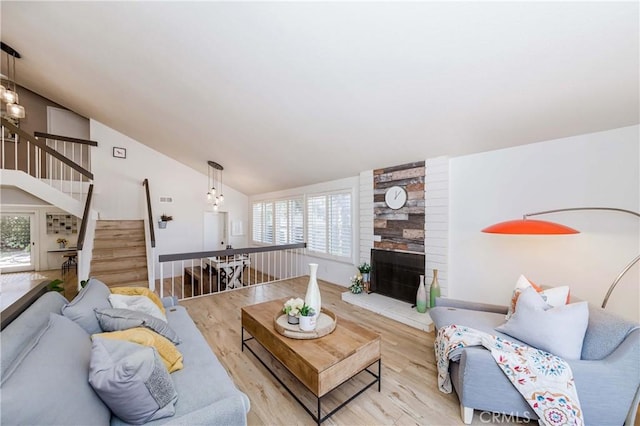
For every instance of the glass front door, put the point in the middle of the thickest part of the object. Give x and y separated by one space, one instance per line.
16 244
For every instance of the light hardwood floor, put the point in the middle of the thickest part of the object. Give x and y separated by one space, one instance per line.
409 393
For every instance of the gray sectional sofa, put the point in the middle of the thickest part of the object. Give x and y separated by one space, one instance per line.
45 368
607 376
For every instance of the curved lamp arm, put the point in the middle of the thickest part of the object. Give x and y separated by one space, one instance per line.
626 268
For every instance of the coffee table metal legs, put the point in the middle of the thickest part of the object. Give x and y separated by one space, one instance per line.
318 417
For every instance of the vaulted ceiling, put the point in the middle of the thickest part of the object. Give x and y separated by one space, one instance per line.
287 94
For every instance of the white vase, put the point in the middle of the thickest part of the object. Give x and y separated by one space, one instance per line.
307 323
312 298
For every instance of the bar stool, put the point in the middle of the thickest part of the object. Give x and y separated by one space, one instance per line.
70 262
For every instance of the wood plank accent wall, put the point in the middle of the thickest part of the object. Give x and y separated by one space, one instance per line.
401 229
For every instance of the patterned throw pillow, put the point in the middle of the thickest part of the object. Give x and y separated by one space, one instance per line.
556 296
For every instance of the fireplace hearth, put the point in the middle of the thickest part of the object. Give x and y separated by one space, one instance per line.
396 274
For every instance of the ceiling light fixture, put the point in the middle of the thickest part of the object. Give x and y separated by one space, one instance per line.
8 88
214 174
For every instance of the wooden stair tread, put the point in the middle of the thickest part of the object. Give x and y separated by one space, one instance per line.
117 243
118 252
119 224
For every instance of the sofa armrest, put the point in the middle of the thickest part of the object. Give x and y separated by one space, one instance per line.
617 376
473 306
169 301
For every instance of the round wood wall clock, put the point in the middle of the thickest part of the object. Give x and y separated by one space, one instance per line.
395 197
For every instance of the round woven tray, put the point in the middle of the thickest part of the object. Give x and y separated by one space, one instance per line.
325 324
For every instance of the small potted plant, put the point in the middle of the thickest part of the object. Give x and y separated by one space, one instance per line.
307 318
162 223
62 242
365 270
356 286
292 309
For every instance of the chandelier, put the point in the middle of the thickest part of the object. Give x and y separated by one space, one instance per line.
214 195
8 88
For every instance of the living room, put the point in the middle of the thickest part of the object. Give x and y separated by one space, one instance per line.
510 130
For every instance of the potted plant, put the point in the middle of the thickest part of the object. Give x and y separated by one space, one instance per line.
365 271
292 309
62 242
162 223
356 286
307 318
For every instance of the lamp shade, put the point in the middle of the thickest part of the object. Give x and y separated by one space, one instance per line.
529 227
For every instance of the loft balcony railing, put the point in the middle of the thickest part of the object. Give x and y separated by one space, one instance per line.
62 162
188 275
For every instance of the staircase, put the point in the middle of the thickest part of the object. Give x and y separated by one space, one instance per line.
119 253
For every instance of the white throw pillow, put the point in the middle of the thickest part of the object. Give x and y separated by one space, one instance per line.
559 330
555 296
136 303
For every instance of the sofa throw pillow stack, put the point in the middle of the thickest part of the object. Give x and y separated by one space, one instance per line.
556 296
558 330
130 364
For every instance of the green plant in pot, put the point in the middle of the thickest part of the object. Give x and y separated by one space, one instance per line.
307 318
365 271
356 286
162 223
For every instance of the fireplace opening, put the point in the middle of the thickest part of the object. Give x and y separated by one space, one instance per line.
396 274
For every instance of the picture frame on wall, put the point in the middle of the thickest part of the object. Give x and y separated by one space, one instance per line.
119 152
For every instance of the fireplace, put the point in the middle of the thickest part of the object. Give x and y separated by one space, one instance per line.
396 274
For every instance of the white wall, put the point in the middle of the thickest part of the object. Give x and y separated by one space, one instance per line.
598 169
337 272
119 194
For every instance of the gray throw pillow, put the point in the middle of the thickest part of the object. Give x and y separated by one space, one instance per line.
132 380
48 383
114 319
95 295
559 330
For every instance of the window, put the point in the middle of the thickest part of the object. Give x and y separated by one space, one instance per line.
329 224
278 222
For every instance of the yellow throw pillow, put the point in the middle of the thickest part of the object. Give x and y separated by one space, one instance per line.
170 355
139 291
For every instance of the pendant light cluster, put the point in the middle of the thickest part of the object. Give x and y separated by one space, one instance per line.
8 88
214 184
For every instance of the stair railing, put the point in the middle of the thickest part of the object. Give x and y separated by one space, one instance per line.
149 237
61 162
188 275
86 235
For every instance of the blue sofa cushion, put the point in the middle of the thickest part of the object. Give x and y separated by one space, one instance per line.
132 380
95 295
27 327
114 319
605 333
48 382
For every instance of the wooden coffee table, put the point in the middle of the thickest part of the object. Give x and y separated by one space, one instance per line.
320 364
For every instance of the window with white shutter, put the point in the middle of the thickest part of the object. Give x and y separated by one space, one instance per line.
329 224
278 222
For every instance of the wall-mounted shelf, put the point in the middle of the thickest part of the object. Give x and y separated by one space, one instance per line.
61 223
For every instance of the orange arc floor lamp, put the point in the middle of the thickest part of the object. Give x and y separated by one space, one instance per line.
526 226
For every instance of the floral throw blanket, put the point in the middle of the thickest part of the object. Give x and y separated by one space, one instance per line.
544 380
